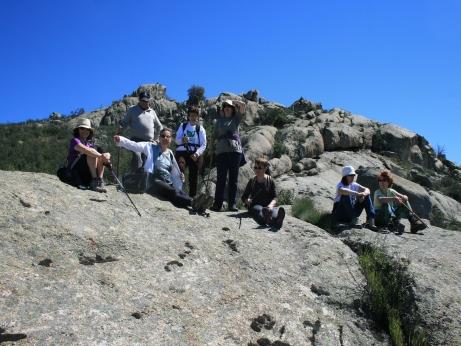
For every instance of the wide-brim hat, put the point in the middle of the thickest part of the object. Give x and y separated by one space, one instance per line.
228 103
348 170
84 123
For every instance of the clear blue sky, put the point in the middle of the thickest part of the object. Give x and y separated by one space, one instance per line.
392 61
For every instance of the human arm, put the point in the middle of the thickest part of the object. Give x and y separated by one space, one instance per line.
397 197
273 193
246 194
179 135
140 147
203 144
157 127
92 152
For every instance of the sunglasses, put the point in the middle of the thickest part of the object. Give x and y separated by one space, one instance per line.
258 167
380 180
165 136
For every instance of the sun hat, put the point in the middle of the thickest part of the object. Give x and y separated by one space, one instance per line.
228 103
348 170
85 123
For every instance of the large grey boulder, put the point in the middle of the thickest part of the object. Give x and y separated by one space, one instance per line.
339 136
81 268
433 258
302 140
448 207
259 141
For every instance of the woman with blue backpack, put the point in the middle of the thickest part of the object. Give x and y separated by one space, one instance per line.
191 144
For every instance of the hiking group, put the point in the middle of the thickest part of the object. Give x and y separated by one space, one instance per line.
155 169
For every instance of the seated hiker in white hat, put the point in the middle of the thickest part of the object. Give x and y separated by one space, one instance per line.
350 200
84 161
167 178
391 206
260 196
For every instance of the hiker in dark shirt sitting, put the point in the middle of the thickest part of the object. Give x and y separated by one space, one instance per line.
85 162
260 197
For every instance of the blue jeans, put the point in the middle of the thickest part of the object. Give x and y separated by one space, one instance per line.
386 213
256 212
227 163
344 211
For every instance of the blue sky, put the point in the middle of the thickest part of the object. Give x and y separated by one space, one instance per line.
392 61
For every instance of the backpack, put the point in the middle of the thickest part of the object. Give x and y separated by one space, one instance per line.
197 131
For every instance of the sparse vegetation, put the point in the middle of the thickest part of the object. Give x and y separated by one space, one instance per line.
196 94
277 117
389 297
279 147
285 197
304 209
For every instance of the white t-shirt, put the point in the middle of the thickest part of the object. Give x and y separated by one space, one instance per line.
193 137
353 186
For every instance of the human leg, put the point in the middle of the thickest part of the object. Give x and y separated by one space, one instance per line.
221 171
256 212
193 175
233 163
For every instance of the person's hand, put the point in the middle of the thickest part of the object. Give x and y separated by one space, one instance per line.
182 176
185 139
105 157
194 157
399 200
248 202
116 139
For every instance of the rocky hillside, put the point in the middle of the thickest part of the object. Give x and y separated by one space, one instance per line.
83 268
307 145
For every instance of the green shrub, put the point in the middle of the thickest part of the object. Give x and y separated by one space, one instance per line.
304 209
279 147
390 298
285 197
277 117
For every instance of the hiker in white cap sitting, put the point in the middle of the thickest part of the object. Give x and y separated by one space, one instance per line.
85 162
351 198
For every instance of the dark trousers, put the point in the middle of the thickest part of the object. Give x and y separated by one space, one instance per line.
256 212
386 213
194 168
165 190
227 163
81 172
344 211
137 159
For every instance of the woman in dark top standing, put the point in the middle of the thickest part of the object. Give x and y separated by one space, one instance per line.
260 197
228 152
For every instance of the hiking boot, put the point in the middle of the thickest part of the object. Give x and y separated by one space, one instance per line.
215 207
233 207
95 186
397 227
354 223
279 219
267 215
371 225
416 226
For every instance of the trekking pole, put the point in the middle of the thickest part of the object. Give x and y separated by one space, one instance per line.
109 165
415 215
119 149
